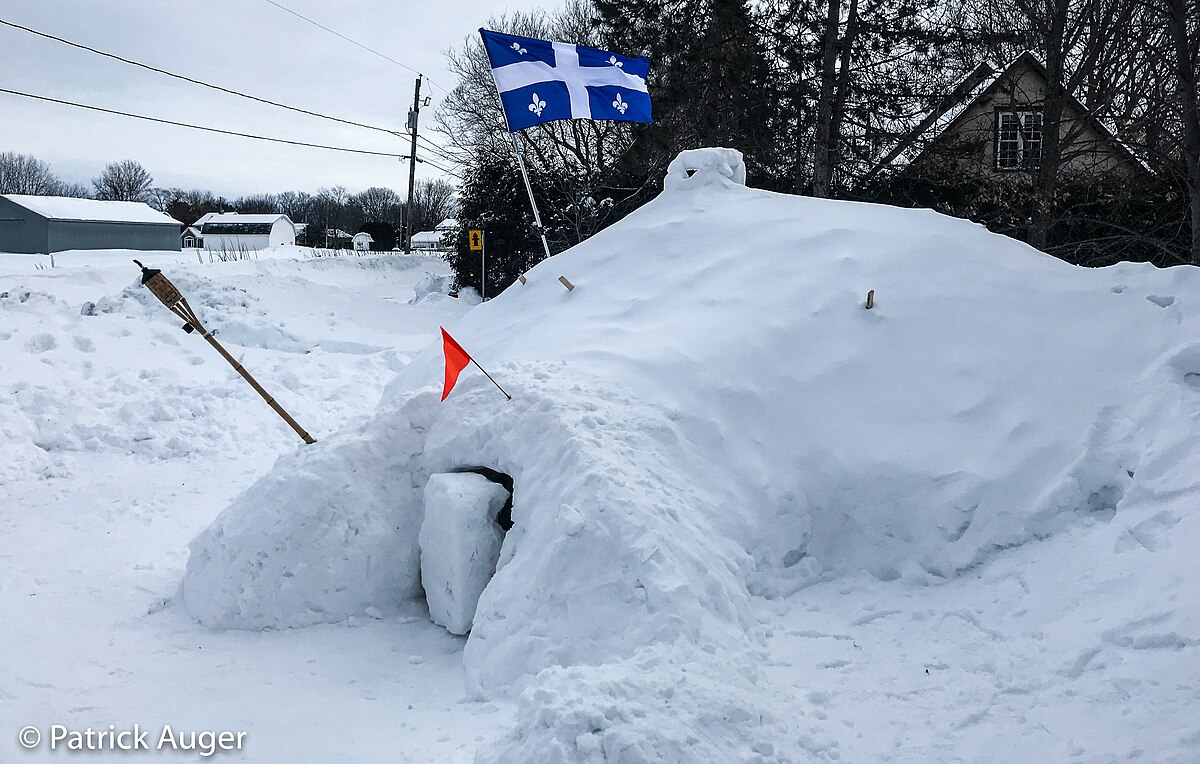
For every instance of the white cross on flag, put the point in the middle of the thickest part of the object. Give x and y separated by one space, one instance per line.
541 81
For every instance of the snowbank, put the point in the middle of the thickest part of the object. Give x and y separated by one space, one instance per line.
713 415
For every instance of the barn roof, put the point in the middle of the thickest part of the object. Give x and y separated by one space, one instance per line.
231 223
92 210
238 228
233 217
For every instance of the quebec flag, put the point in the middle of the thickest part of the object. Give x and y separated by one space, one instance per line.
542 81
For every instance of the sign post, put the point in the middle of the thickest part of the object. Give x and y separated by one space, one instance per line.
475 239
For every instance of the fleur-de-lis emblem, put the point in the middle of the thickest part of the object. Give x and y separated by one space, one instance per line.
613 60
620 105
517 47
538 104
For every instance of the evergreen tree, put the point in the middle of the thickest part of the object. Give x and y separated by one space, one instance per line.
710 77
492 199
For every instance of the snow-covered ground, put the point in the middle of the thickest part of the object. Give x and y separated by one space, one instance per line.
753 521
121 437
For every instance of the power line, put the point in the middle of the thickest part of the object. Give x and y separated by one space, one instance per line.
353 42
430 145
201 127
227 132
439 167
435 149
195 81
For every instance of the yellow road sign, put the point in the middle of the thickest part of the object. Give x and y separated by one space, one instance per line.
475 236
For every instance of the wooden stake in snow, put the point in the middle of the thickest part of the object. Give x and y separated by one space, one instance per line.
165 291
565 282
870 299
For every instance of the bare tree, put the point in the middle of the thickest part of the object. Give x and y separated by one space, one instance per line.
1183 25
432 202
257 204
124 181
24 174
74 190
160 198
378 205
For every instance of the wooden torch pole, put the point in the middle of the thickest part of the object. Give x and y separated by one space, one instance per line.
166 292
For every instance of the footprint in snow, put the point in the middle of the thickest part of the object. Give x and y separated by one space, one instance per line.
41 343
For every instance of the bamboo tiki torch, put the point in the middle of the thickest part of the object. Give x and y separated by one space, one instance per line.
165 291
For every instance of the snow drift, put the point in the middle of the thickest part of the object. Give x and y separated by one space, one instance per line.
712 416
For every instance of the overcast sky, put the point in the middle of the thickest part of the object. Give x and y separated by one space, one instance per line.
246 45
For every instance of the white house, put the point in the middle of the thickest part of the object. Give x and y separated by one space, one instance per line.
441 237
363 241
426 240
229 231
191 238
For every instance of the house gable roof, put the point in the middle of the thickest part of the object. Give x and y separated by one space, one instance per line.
951 115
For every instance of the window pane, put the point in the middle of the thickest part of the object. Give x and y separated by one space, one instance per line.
1031 138
1008 136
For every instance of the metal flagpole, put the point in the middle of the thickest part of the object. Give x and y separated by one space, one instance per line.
537 218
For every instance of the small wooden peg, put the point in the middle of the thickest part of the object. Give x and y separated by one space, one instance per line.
570 287
870 299
521 278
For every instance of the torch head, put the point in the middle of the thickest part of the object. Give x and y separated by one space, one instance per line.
147 273
160 285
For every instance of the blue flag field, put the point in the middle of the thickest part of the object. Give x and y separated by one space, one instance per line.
541 81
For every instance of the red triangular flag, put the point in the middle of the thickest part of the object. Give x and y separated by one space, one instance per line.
456 360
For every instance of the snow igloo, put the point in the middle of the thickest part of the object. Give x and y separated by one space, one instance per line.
711 416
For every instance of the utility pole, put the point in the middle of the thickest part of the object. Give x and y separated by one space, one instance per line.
413 116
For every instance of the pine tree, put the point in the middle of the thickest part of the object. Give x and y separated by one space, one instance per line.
709 76
492 199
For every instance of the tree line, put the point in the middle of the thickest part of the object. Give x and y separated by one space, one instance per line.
818 95
379 211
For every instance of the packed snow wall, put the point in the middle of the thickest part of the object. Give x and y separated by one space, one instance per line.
712 414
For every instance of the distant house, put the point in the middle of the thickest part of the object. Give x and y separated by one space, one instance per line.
363 241
439 238
992 125
45 224
192 238
427 240
336 238
229 231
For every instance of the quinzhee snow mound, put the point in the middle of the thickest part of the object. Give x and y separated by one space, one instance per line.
712 417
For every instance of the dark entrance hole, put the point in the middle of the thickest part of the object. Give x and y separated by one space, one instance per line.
504 516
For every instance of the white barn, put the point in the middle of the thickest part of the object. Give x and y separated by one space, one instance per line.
229 231
363 241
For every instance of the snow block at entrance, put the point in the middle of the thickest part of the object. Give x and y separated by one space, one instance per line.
460 544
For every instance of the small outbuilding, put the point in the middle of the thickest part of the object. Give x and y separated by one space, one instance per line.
45 224
229 231
363 241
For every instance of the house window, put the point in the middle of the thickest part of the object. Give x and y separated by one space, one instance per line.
189 242
1018 139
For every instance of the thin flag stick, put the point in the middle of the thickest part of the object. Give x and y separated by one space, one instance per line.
489 376
537 218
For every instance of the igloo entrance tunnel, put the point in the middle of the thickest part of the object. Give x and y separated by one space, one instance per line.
460 542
